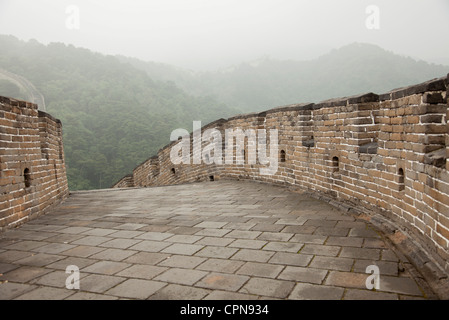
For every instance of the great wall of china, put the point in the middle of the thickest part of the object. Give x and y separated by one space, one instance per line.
379 154
376 153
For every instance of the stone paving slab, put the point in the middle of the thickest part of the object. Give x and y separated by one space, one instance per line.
215 241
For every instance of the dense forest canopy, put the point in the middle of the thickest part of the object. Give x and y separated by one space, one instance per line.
114 116
118 111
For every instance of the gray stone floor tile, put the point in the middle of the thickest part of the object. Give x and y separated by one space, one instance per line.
136 289
321 250
211 224
356 294
263 270
218 295
106 267
347 279
211 232
72 261
98 283
183 249
291 259
156 236
182 238
10 290
180 261
5 267
148 258
360 253
220 265
46 293
39 259
25 245
252 255
283 246
301 274
247 244
91 240
332 263
268 287
149 246
142 271
99 232
215 241
10 256
179 292
113 254
388 268
125 234
74 230
24 274
276 236
181 276
120 243
402 285
90 296
222 281
82 251
307 291
345 241
243 234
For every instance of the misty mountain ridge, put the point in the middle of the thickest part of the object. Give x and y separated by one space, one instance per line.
264 83
114 115
118 111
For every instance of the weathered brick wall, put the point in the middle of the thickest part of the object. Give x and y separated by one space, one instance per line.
33 176
386 153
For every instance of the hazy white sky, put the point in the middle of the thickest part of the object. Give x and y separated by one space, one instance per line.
201 34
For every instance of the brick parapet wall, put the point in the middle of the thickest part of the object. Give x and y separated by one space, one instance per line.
385 153
33 175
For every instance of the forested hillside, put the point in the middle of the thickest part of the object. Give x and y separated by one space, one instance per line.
114 116
118 111
258 85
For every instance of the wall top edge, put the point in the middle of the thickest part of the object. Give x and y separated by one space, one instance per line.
437 84
42 114
17 103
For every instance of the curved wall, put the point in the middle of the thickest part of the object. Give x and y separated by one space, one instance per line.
386 153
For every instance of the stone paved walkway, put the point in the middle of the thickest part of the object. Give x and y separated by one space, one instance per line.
219 240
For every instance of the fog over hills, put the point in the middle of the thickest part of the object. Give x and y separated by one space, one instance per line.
264 83
118 111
